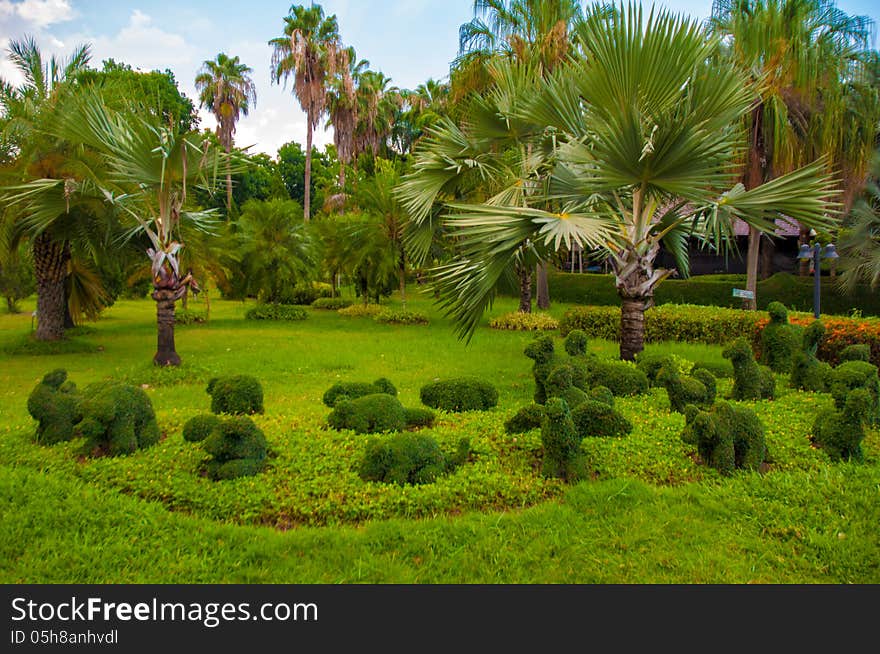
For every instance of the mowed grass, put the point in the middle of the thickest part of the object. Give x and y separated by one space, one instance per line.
652 513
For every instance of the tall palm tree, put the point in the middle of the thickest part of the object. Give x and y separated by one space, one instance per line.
342 108
28 108
801 54
860 243
643 134
377 105
308 51
227 90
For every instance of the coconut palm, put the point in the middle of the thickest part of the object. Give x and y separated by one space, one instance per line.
802 54
227 90
309 52
643 134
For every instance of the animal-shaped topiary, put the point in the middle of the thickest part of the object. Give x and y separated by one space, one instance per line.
576 343
527 418
859 352
117 419
840 431
354 390
376 413
698 388
727 437
236 395
560 383
620 377
54 404
459 394
542 352
237 447
200 427
547 361
409 459
807 372
750 380
562 456
852 375
779 339
594 419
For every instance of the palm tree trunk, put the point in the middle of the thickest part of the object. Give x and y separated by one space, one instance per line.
342 177
754 178
166 354
752 258
632 327
228 184
525 291
50 269
543 287
307 201
402 273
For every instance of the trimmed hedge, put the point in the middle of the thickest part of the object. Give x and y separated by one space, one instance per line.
361 310
200 427
331 303
459 394
717 290
401 317
276 312
524 322
353 390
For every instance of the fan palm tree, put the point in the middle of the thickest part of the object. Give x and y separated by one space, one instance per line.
227 90
860 243
342 108
309 52
643 135
800 54
377 105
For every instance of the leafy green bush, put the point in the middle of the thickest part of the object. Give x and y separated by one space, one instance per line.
459 394
598 420
727 437
237 447
751 381
418 417
117 419
856 353
527 418
601 394
561 441
190 317
54 404
409 459
807 372
652 363
576 343
853 375
306 293
235 394
697 388
401 317
840 431
331 303
361 311
353 390
779 339
369 414
276 312
200 427
517 321
622 378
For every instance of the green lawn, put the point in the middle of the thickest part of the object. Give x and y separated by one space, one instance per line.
651 513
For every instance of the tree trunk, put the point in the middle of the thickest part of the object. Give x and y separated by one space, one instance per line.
632 327
768 252
341 177
228 183
402 273
543 287
307 200
166 354
804 264
50 269
752 259
754 178
525 291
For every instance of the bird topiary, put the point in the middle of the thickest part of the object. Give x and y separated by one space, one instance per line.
561 441
54 404
751 381
852 375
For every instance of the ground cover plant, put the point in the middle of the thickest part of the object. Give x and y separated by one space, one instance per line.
310 490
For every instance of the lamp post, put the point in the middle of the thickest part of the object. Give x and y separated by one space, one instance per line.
816 252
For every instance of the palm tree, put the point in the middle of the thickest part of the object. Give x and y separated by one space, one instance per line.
800 53
226 89
377 106
28 108
643 134
860 243
342 107
308 51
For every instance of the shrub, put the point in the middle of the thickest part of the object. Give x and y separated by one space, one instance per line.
409 459
807 372
651 364
307 293
622 378
840 431
369 414
852 375
779 339
418 417
542 352
237 447
361 311
401 317
331 303
856 353
559 436
527 418
697 389
601 394
276 312
353 390
117 419
200 427
190 317
719 369
576 343
235 394
597 419
459 394
560 383
750 380
727 437
517 321
54 404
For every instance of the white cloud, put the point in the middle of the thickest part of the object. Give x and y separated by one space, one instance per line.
29 17
43 13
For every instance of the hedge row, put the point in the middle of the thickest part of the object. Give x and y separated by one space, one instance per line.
719 326
794 292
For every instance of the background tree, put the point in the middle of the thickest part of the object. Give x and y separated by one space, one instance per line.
308 51
292 166
227 90
342 106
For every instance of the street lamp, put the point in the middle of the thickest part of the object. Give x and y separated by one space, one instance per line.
816 252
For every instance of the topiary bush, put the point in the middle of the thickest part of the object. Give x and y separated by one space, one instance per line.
527 418
598 420
620 377
750 380
276 312
543 353
576 343
54 404
601 394
200 427
779 339
372 414
852 375
840 431
727 437
237 447
117 419
807 372
651 364
517 321
697 388
353 390
561 441
409 459
417 417
235 394
459 394
331 303
856 353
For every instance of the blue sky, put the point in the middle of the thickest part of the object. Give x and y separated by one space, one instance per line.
408 40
